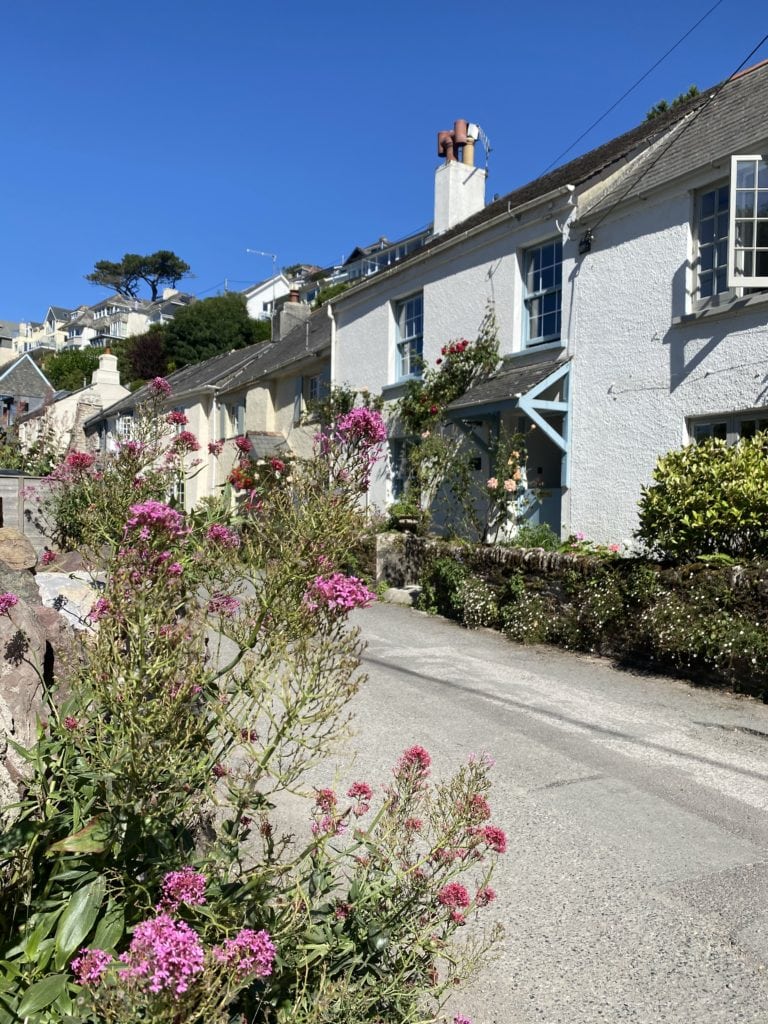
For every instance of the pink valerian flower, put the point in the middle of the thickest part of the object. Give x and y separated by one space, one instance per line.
243 444
7 601
494 837
71 723
328 825
249 952
47 557
413 824
223 535
160 387
338 593
165 953
186 886
175 569
185 441
363 794
219 771
222 604
176 418
79 461
134 448
479 808
579 536
155 517
215 447
277 466
89 966
413 761
461 1019
325 799
484 896
454 895
362 425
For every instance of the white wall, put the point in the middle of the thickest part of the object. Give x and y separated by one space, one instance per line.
637 376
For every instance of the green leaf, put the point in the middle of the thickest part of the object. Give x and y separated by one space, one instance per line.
78 919
42 994
92 838
110 927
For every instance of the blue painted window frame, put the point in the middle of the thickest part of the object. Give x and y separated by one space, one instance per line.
543 292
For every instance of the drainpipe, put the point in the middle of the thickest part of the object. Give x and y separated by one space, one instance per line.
212 436
332 318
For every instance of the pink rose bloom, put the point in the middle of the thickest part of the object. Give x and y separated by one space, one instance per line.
492 484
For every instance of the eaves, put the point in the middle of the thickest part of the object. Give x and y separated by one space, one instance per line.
438 248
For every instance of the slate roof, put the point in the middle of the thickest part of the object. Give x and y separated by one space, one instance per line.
504 386
60 312
736 115
22 377
233 370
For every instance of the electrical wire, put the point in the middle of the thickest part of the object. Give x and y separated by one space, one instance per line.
632 88
676 138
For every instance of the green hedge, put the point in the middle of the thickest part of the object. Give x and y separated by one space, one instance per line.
706 622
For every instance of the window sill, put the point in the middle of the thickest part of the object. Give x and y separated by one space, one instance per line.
391 392
542 346
733 307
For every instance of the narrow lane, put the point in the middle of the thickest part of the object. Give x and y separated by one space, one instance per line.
634 888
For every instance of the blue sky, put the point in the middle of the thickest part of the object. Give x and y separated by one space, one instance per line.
302 129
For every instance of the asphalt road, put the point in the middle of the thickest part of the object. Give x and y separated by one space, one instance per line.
634 888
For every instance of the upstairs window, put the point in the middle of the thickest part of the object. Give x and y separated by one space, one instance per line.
409 323
748 237
712 210
543 283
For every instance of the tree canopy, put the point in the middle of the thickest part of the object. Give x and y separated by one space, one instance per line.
664 105
204 329
124 277
71 369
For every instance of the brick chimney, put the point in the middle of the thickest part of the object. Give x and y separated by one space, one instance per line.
459 185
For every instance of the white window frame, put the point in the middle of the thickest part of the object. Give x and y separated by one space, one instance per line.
537 295
751 280
727 426
409 346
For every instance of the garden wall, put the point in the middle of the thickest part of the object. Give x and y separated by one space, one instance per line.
706 622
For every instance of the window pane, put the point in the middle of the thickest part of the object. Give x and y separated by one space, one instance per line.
762 174
762 203
761 259
747 428
707 231
762 233
707 258
720 430
745 204
723 197
705 286
722 280
745 232
708 204
745 174
722 225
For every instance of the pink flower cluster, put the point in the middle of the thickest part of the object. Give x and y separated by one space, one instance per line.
160 386
185 441
79 461
243 444
215 447
47 557
362 425
101 608
134 448
90 965
249 952
413 761
186 886
223 604
223 535
7 601
155 517
177 418
338 593
362 793
166 953
454 895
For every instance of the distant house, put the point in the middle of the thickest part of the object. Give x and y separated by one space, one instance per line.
261 392
23 388
261 298
66 412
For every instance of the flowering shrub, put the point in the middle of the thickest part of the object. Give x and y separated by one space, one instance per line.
219 672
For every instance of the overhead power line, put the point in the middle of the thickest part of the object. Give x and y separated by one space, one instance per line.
676 138
632 88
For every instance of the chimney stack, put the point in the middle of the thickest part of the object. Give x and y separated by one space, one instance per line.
459 185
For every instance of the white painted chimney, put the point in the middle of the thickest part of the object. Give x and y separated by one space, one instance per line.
459 185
